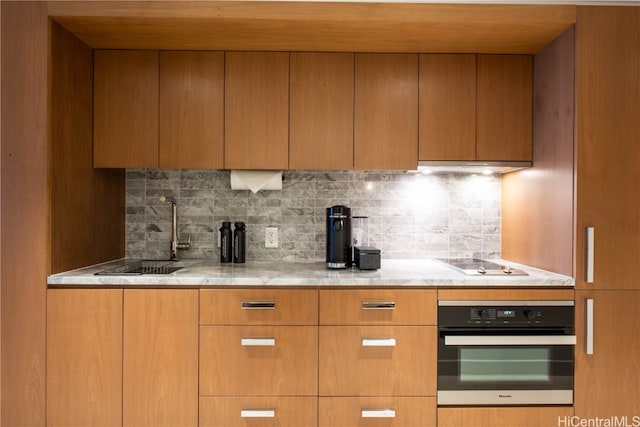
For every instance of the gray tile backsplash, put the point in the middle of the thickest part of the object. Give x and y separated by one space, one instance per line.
410 215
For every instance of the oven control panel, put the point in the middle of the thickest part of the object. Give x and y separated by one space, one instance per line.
501 313
505 314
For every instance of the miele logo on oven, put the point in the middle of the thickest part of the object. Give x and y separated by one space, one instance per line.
504 396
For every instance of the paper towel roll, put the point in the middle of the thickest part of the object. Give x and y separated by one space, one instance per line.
256 180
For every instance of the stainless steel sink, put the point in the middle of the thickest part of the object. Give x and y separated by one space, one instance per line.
137 268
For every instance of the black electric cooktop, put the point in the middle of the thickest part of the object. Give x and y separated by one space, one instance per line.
480 267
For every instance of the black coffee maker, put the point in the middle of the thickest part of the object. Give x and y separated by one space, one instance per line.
338 237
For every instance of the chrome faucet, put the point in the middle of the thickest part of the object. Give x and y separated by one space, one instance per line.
175 243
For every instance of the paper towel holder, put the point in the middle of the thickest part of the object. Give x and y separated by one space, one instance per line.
256 180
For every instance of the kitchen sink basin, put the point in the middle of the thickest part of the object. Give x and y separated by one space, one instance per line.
137 268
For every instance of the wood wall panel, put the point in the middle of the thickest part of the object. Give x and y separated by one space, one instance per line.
87 204
84 357
321 111
537 203
316 26
24 251
608 152
191 111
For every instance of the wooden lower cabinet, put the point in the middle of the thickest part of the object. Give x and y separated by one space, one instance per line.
377 411
362 361
533 416
84 357
607 382
258 360
248 411
160 375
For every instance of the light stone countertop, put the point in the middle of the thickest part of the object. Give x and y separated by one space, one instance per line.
400 273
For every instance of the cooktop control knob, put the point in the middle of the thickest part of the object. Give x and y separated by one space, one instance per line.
529 314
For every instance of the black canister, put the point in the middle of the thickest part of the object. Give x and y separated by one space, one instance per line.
239 242
338 237
225 242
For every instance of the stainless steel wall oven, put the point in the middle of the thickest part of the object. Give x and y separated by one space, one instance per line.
505 352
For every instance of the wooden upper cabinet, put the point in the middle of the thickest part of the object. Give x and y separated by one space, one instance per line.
191 109
257 110
125 109
504 107
386 111
447 107
321 111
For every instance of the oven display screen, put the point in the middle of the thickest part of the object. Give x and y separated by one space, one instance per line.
506 313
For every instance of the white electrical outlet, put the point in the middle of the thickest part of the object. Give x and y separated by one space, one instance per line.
271 237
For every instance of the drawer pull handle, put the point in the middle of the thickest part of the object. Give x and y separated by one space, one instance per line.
589 327
258 342
258 305
378 413
591 254
378 342
378 305
258 413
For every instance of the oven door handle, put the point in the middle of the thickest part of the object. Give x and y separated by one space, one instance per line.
510 340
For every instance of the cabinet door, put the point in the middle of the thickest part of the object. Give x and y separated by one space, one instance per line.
256 110
607 382
608 152
125 109
321 111
84 357
447 107
191 110
160 358
504 107
505 417
386 111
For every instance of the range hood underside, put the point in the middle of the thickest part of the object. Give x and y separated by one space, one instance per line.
436 166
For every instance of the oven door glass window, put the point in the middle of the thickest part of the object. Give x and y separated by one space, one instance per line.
504 364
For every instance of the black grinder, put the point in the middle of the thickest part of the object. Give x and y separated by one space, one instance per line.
338 237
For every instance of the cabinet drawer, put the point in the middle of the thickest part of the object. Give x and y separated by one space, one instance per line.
532 416
377 411
378 307
378 360
258 411
259 307
258 360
